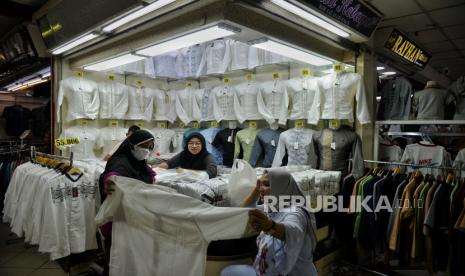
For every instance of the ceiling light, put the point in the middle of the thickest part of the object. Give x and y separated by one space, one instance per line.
113 62
290 52
46 75
379 68
211 33
26 84
310 17
389 73
136 14
70 45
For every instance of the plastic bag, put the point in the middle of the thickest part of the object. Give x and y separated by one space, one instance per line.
242 181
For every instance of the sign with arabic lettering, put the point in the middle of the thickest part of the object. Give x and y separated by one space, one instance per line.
403 46
351 13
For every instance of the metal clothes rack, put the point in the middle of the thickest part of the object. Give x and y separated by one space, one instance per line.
416 166
35 153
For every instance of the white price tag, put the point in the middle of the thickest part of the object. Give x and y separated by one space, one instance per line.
273 143
230 139
247 141
296 145
333 145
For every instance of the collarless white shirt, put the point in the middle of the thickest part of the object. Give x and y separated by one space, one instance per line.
239 55
273 101
88 141
82 97
205 104
216 58
245 101
187 108
140 104
163 139
336 99
109 137
301 93
223 103
164 105
188 60
165 65
113 99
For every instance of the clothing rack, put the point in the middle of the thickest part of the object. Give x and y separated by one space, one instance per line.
35 153
416 166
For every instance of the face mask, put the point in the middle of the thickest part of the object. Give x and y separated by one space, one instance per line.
140 153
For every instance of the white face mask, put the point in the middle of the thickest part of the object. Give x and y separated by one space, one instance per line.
140 153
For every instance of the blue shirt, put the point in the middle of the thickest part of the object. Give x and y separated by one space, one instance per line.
265 144
209 134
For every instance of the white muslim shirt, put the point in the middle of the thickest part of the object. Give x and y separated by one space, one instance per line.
109 137
336 98
140 104
163 140
273 101
88 141
164 105
223 103
188 61
82 97
216 58
169 231
114 98
301 93
187 108
239 55
205 103
245 102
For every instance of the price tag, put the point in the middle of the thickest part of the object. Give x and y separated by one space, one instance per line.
305 72
67 141
196 125
247 141
226 80
84 123
79 74
189 85
252 124
214 124
273 143
299 123
181 125
250 77
140 124
229 139
338 67
139 82
333 145
114 123
161 125
334 124
296 145
111 77
276 76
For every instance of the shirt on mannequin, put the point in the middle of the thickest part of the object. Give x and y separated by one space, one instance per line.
395 100
209 134
430 104
205 103
223 103
297 143
265 144
301 93
224 141
188 60
140 104
245 102
89 140
82 97
187 108
113 100
164 105
163 140
273 101
244 142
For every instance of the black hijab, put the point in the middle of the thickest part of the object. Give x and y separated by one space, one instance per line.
124 163
197 161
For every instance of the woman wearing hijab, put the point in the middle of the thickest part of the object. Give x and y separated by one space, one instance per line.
194 157
288 236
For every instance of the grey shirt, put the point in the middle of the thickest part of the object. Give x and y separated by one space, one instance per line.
429 104
395 100
265 144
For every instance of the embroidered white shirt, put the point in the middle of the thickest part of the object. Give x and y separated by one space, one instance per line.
82 97
187 108
204 101
298 144
188 60
163 139
113 100
273 101
245 101
216 58
301 93
140 104
109 137
89 140
223 103
164 105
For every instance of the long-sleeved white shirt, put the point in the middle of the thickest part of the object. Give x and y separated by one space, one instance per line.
109 137
188 60
82 97
140 104
245 101
223 103
336 98
113 100
164 105
163 139
216 58
187 108
239 55
301 93
272 101
205 103
89 140
165 65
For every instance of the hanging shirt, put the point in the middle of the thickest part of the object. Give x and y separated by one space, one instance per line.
395 102
272 101
390 153
205 103
255 57
265 144
186 106
165 65
245 102
239 55
163 139
459 161
457 89
297 143
89 140
188 60
244 142
429 104
109 137
216 58
209 134
137 67
113 100
426 154
82 97
140 104
179 139
336 98
224 141
334 148
164 105
183 228
223 103
301 93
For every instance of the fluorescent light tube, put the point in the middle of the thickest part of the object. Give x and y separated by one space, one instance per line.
46 75
136 14
113 62
310 17
290 52
379 68
389 73
73 44
32 81
211 33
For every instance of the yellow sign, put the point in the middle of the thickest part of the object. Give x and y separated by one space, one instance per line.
338 67
196 125
305 72
181 125
252 124
334 124
67 141
140 124
139 82
250 77
276 75
161 125
226 80
114 123
84 122
111 77
53 29
214 124
407 49
79 74
189 85
300 123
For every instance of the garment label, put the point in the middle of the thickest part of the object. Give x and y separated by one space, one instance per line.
334 124
250 77
230 139
299 123
273 143
111 77
196 125
305 72
161 125
394 86
214 124
333 145
338 67
247 141
276 76
79 74
67 141
114 123
252 124
296 145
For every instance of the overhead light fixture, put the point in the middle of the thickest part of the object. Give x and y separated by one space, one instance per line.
72 44
113 62
219 31
389 73
290 52
310 17
26 84
136 14
379 68
46 75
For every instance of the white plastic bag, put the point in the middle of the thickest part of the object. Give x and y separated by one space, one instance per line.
242 181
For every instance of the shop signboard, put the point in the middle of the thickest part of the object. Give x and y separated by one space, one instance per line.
407 49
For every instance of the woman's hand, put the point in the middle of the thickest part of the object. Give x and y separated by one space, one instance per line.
108 187
163 165
259 220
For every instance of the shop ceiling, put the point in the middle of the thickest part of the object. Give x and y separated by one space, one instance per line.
437 25
16 12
